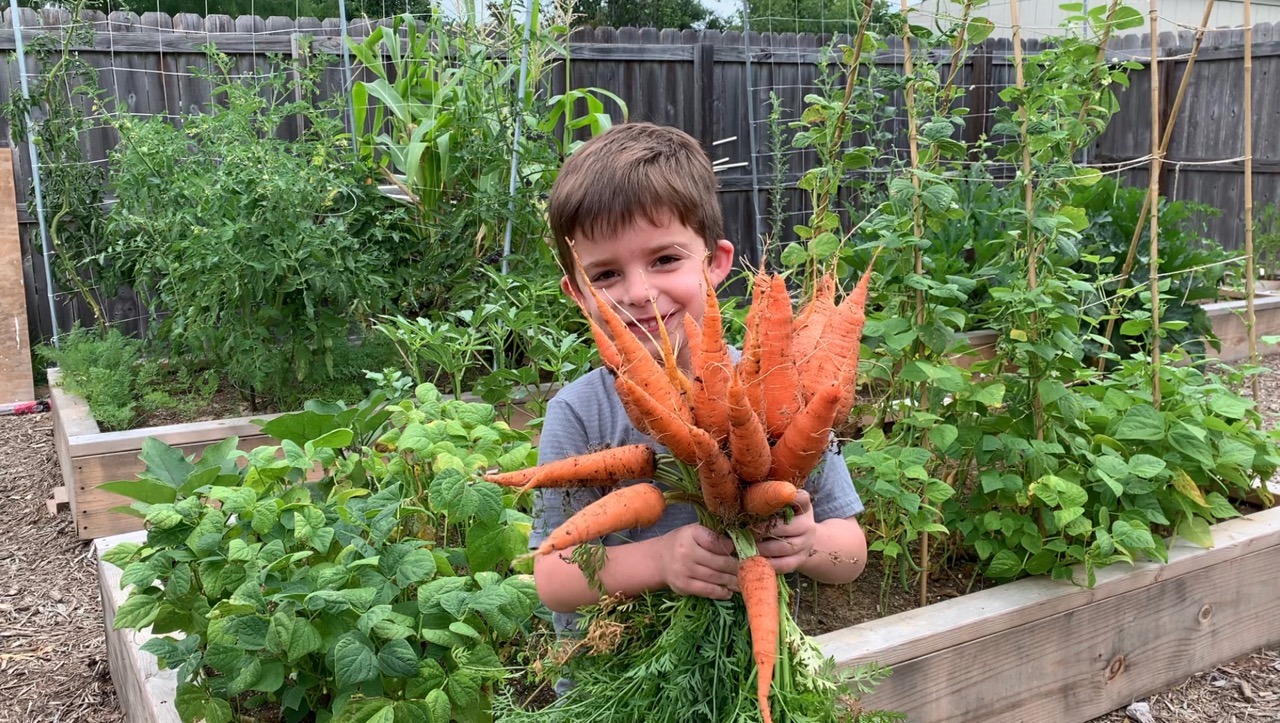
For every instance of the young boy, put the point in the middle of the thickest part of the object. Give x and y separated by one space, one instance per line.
640 204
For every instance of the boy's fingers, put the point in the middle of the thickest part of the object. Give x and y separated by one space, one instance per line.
803 502
712 542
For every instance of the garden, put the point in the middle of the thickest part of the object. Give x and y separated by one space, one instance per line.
301 483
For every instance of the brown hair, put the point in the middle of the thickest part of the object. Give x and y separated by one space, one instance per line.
631 171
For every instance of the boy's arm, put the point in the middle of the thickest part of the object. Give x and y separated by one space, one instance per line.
690 560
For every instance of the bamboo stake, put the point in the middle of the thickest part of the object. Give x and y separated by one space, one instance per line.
1153 196
917 229
1250 319
1174 111
1028 194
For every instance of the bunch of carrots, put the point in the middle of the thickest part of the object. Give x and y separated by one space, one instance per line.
746 435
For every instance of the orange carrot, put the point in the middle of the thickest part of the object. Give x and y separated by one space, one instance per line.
712 370
759 585
637 362
779 385
798 451
764 499
749 365
715 476
656 420
748 442
813 318
841 338
608 353
633 506
632 461
693 337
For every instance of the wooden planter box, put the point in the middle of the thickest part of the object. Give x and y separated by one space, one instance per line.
1228 325
90 457
1032 650
1045 650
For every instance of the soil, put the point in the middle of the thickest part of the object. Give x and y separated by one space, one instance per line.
53 661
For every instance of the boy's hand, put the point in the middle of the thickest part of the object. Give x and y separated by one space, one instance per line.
697 561
788 545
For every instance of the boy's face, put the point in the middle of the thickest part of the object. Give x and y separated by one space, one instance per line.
650 272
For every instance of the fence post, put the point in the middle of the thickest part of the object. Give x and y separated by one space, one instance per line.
50 289
704 88
347 86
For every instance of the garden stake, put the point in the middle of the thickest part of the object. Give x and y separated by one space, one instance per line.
1153 193
1174 110
1250 319
1037 408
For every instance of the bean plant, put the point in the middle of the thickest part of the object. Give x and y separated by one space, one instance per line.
1033 461
356 571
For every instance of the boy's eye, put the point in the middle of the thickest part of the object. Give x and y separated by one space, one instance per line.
666 259
602 277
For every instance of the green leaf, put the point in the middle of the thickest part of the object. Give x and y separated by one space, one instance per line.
366 710
1196 530
1229 405
416 566
398 659
1066 515
164 463
1141 422
1126 18
1145 465
452 493
137 612
121 553
300 427
292 636
1220 507
943 435
991 394
334 439
150 491
1005 565
353 660
413 711
234 499
489 543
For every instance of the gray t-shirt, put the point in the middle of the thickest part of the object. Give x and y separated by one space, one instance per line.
587 416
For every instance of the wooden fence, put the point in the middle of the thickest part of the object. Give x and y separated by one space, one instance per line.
712 84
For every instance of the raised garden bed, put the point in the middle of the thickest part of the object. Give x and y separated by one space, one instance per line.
1035 649
1228 319
90 457
1046 650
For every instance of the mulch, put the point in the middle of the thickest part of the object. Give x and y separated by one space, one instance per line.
53 658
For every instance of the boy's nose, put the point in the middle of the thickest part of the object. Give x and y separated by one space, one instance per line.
637 292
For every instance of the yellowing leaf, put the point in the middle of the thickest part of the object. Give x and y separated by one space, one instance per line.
1183 483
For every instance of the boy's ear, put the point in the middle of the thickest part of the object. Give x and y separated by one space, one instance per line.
720 262
568 288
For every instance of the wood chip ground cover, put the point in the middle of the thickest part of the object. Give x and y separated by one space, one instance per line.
53 660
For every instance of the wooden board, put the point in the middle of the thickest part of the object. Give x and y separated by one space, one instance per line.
93 514
1040 649
16 381
1228 319
145 692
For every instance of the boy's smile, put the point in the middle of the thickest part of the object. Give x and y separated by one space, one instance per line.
650 272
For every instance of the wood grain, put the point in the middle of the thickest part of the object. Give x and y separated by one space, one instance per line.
16 381
1047 650
145 692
